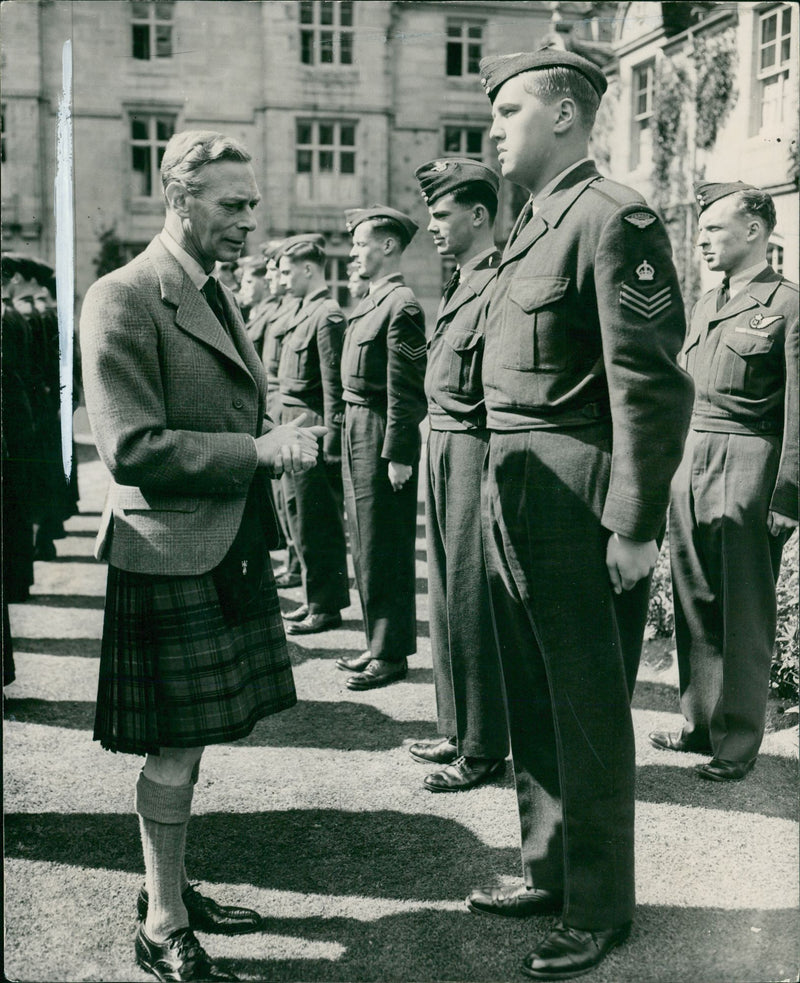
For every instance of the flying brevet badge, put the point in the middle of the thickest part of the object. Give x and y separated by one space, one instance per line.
640 219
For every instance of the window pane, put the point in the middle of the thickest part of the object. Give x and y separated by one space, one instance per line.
452 140
140 10
164 129
347 135
347 161
140 163
164 10
768 56
474 142
138 129
307 47
453 59
346 50
160 155
474 58
346 13
326 47
769 27
303 161
141 42
326 160
476 31
786 23
786 47
163 41
304 133
326 134
454 30
306 12
326 12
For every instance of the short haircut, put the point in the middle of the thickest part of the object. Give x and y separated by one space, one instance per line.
188 152
477 193
385 227
550 84
759 204
306 252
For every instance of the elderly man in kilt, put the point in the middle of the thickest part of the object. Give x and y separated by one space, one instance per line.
193 647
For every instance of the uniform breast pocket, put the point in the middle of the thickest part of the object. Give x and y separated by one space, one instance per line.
535 327
298 355
688 355
367 347
743 358
463 350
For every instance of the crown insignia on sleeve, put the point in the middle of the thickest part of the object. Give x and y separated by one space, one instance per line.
645 271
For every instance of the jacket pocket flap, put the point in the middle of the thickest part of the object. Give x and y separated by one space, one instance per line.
462 341
538 291
747 343
133 499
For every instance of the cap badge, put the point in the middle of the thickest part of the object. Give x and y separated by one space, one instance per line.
645 271
439 166
701 198
485 83
640 219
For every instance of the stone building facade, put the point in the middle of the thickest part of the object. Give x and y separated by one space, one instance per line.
337 101
340 100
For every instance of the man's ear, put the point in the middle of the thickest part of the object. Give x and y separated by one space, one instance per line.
177 195
754 230
480 215
566 114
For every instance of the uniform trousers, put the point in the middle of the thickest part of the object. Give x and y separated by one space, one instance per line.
560 649
382 524
470 703
315 511
725 564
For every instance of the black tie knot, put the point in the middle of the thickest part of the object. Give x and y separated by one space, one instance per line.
452 283
723 294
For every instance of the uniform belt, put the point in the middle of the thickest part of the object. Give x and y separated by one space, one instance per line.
524 419
358 399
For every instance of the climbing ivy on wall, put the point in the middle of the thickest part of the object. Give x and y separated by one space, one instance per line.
715 91
669 128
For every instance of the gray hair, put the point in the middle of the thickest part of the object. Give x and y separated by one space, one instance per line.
188 152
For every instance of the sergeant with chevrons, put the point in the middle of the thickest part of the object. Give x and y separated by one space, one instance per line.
587 411
310 382
461 195
383 367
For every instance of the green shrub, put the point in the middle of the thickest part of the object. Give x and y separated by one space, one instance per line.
784 674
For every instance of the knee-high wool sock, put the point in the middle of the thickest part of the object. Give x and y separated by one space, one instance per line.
164 812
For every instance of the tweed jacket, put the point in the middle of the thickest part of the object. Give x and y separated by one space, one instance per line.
585 324
453 384
175 403
744 362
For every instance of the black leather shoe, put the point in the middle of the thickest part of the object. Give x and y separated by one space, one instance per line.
379 672
443 752
286 580
313 623
297 615
179 957
719 770
205 915
568 952
354 663
675 741
515 902
465 773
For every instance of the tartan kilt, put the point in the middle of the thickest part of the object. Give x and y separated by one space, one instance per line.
175 673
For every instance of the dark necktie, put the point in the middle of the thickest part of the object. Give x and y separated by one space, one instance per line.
210 291
451 285
723 293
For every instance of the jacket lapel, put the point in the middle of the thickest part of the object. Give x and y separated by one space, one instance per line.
552 209
757 292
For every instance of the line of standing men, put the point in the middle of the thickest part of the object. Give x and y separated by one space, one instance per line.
586 413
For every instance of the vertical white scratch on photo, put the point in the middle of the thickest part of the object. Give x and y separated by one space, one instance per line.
65 259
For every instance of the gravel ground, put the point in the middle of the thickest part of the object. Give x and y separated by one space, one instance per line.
320 821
